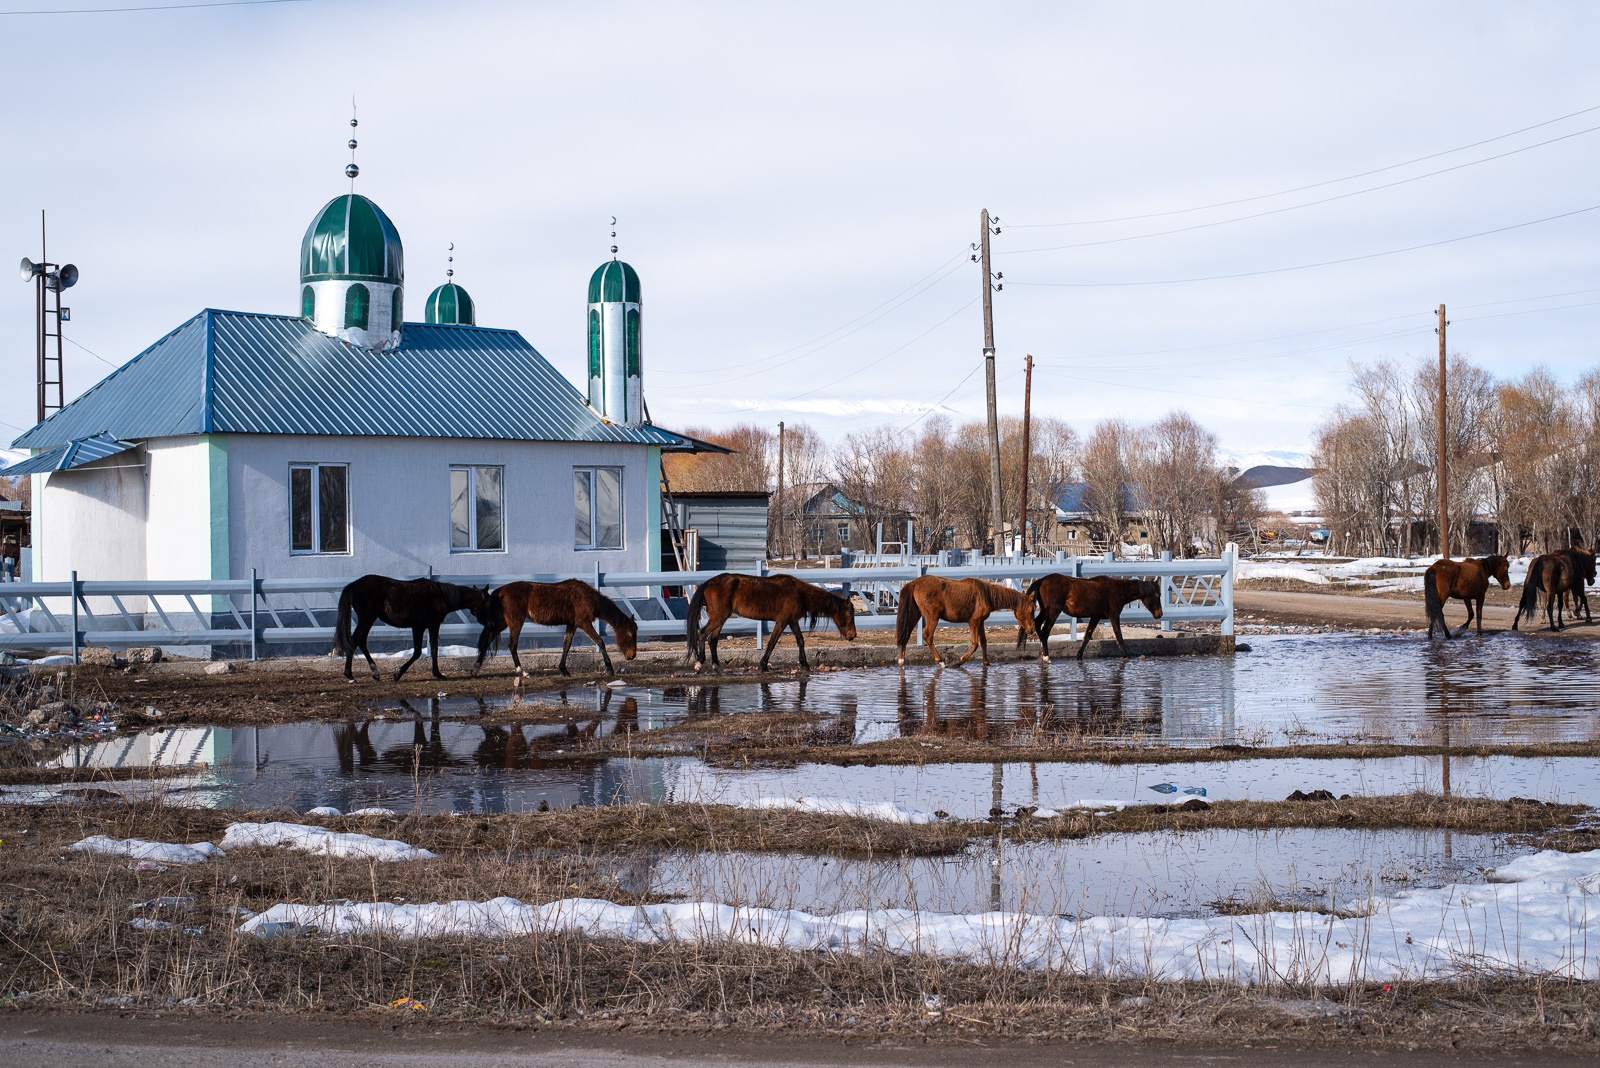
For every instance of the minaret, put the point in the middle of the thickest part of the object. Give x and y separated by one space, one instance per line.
352 270
615 389
449 305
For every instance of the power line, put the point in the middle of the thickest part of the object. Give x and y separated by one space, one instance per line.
1313 185
1297 207
91 352
936 404
150 7
1309 266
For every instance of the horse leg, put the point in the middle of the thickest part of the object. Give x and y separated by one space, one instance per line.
930 627
566 646
433 648
594 636
1116 630
359 641
800 643
1094 621
983 639
974 637
1045 627
416 653
772 643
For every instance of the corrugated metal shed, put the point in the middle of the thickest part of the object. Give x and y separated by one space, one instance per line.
732 526
243 373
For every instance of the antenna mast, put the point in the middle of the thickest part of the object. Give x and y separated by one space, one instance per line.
49 280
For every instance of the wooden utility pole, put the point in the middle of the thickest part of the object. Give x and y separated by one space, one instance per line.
1444 486
1027 448
781 528
996 498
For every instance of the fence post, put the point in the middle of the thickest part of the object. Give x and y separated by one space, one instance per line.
74 617
255 629
1077 572
1166 592
1230 557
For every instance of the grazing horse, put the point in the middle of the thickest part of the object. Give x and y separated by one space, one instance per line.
420 604
932 598
1467 580
782 599
571 603
1556 575
1094 599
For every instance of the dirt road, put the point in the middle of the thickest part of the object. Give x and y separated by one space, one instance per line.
1312 609
30 1040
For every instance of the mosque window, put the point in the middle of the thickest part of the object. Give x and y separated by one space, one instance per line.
319 508
597 507
396 310
308 303
633 342
477 509
594 344
357 301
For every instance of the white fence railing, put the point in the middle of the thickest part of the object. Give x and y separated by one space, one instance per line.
252 616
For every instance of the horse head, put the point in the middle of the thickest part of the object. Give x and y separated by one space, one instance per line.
627 633
1150 597
1027 626
844 617
1498 568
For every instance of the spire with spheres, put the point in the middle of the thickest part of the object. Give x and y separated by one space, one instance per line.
352 269
449 305
615 380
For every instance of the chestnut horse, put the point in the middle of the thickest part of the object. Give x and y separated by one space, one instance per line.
1467 580
571 603
932 598
781 599
1556 575
1094 599
420 604
1583 563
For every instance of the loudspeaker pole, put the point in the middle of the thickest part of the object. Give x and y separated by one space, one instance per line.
996 498
1444 485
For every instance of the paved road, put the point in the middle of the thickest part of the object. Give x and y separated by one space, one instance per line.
30 1040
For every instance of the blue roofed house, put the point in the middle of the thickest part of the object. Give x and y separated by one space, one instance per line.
344 440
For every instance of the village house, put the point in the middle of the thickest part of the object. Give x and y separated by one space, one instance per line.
345 440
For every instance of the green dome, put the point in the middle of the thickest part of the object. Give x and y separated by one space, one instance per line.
449 305
351 238
614 281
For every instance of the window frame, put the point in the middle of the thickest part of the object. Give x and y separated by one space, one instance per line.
315 468
472 509
593 471
357 299
844 531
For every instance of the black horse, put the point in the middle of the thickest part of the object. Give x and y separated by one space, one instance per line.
420 604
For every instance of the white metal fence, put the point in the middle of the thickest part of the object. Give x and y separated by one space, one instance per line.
255 616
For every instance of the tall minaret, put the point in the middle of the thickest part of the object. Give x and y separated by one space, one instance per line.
614 365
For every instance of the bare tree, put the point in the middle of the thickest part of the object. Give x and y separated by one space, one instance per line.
1173 464
751 466
1106 475
1469 404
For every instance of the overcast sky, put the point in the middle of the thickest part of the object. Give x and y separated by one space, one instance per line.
798 187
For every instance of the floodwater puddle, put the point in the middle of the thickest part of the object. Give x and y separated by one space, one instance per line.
1146 874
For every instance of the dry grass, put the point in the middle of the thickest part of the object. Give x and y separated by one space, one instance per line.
65 943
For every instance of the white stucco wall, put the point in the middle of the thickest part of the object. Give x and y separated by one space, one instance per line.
92 520
400 505
180 541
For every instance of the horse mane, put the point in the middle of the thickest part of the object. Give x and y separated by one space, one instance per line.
1001 596
817 602
610 611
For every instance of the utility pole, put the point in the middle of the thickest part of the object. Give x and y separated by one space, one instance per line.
1027 448
1444 486
996 499
781 528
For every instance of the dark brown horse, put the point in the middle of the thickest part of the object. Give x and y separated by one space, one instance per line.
1556 575
571 603
781 599
1467 580
1094 599
932 598
420 604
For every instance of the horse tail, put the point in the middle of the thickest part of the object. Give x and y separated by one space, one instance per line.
1432 598
696 603
906 617
341 623
1530 596
1032 592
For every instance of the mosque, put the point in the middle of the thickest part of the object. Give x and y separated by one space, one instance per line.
345 440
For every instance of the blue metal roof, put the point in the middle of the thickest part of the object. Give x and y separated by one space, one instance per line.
243 373
72 454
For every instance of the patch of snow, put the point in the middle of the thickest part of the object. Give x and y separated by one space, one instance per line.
1536 921
1252 569
323 810
375 810
887 811
1099 804
320 840
139 849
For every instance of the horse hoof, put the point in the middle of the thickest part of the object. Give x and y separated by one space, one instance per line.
698 668
1046 659
901 661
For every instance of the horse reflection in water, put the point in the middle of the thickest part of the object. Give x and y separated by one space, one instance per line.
1040 708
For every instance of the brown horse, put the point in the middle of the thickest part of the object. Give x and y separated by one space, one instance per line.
932 598
420 604
573 604
781 599
1094 599
1467 580
1556 575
